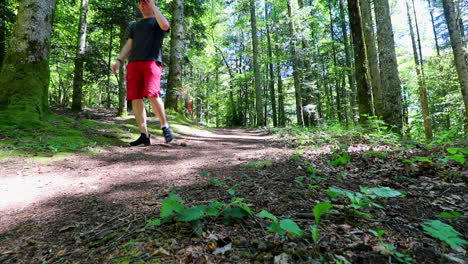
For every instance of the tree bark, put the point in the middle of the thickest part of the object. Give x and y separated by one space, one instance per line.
109 58
2 41
24 79
176 56
431 12
122 109
256 66
281 114
349 66
390 80
335 66
421 61
360 57
77 100
458 52
422 89
297 84
271 80
368 26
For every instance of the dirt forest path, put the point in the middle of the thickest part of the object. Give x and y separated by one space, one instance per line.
125 175
84 191
94 208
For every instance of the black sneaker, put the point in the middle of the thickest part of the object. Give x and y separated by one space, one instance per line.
141 140
167 134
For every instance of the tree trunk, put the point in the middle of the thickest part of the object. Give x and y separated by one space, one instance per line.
256 67
368 26
335 66
281 114
431 12
109 58
24 79
297 84
349 70
271 71
360 57
458 52
422 89
419 39
2 41
77 100
176 56
122 109
390 80
461 26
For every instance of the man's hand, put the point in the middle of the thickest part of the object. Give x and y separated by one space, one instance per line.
115 67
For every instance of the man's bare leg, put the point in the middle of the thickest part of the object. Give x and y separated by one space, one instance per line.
158 109
140 115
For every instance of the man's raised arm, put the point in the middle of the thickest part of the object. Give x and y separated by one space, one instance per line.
162 21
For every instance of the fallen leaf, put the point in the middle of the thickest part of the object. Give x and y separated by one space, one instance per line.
160 251
223 250
66 228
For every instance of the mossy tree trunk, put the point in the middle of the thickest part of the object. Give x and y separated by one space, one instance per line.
77 100
389 77
369 37
175 60
364 99
458 52
24 79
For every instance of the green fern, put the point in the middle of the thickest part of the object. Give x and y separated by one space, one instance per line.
444 232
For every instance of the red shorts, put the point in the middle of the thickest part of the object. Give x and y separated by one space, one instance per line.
143 79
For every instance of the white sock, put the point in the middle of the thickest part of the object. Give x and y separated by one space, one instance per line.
165 125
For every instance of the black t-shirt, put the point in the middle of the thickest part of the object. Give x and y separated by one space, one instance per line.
147 40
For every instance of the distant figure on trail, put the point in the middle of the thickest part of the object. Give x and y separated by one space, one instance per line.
144 52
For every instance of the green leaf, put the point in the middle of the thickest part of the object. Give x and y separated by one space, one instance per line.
193 213
153 222
418 159
452 214
291 227
276 228
265 214
460 158
444 232
320 209
385 192
463 150
214 208
213 212
171 204
231 191
315 233
216 181
452 150
235 212
378 233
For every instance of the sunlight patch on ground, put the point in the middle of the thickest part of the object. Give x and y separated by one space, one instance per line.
218 133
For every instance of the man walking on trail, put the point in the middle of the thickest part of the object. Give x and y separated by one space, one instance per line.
144 52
